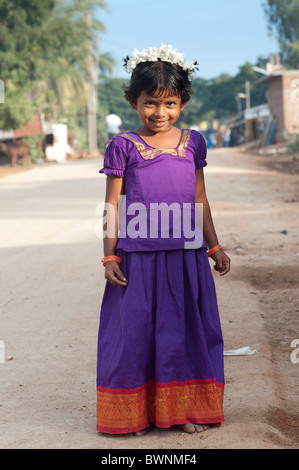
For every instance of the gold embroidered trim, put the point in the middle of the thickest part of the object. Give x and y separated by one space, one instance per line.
147 154
123 410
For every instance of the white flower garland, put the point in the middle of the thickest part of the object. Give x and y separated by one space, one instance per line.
163 53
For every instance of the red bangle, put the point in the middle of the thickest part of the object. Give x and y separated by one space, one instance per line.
110 258
214 249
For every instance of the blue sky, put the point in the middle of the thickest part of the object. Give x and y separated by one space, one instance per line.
220 34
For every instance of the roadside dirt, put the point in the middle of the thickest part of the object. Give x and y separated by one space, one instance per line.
52 285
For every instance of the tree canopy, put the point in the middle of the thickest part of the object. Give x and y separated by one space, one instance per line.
283 18
43 57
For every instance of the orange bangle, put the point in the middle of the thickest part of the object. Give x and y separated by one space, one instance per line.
214 249
110 258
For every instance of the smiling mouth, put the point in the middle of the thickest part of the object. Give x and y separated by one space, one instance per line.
158 123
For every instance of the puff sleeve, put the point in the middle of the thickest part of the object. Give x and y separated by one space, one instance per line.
200 153
115 160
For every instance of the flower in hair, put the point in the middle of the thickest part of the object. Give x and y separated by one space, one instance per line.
163 53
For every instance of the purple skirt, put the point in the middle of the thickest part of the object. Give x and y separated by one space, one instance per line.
160 346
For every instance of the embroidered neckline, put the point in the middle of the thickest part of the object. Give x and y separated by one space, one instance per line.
159 148
149 154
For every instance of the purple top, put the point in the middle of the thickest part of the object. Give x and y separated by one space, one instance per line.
158 210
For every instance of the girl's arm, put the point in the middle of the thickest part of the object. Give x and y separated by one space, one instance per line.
221 259
114 188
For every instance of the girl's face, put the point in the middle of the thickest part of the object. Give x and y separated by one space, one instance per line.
158 114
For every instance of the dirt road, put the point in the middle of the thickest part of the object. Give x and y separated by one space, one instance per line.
51 288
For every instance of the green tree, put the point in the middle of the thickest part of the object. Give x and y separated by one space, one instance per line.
257 91
111 98
283 17
43 57
200 107
16 62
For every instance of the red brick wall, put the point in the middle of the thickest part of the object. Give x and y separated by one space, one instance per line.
275 98
31 128
290 85
284 103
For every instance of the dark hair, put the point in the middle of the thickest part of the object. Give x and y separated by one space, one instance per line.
156 78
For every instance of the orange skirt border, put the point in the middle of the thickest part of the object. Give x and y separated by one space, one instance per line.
163 404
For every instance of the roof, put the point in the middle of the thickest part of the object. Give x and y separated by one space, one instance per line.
257 111
277 73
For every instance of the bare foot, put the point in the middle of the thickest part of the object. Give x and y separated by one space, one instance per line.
142 432
191 428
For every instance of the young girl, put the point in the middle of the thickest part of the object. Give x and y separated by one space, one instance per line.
160 347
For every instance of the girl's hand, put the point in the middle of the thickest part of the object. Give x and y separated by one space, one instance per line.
222 262
114 275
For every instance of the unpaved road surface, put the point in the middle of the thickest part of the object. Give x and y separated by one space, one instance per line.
52 284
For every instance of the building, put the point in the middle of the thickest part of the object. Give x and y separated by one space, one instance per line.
55 137
34 127
256 119
283 100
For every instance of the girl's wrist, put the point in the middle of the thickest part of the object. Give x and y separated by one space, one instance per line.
108 258
214 249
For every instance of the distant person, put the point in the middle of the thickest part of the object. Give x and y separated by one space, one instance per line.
261 128
226 138
211 140
113 124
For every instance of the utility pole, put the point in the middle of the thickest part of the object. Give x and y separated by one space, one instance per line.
247 86
91 105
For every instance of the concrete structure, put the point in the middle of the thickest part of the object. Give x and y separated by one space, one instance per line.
58 150
283 99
